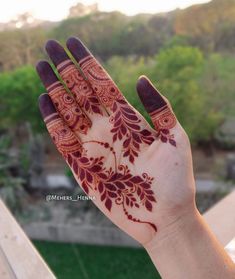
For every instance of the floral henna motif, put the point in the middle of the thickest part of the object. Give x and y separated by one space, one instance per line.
79 87
68 109
164 120
127 124
118 186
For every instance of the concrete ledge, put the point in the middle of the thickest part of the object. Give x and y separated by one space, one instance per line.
79 234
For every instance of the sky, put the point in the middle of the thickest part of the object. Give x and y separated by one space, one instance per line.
55 10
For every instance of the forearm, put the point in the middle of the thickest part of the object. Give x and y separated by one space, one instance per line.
188 249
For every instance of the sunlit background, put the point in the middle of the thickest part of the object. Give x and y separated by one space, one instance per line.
55 10
189 54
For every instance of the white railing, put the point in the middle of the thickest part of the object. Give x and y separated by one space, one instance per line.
18 257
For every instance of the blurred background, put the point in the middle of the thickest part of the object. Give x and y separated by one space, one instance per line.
185 47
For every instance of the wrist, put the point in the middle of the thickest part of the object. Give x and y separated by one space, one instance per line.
175 230
187 246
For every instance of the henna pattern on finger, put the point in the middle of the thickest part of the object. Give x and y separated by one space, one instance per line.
79 87
62 136
126 123
159 110
102 84
68 109
164 120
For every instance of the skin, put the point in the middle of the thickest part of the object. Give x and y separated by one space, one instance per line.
142 178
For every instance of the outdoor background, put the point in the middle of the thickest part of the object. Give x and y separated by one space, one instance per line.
187 53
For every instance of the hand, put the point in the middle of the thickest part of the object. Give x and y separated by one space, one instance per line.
142 178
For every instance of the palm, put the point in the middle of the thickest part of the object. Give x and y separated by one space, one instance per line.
135 173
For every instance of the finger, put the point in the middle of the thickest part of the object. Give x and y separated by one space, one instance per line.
66 106
101 82
158 108
64 139
73 79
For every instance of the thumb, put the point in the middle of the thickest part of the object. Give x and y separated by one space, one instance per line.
159 109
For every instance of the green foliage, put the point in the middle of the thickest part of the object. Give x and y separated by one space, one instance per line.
179 70
219 83
181 73
19 92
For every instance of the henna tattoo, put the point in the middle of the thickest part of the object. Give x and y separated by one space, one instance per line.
164 120
79 87
126 124
68 109
102 84
159 110
118 186
62 136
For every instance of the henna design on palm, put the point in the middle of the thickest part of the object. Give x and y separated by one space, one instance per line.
117 185
100 165
126 126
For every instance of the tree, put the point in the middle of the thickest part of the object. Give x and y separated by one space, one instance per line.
19 92
178 71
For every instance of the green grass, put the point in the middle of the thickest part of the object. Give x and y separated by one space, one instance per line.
72 261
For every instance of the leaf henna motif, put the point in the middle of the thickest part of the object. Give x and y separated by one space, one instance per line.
164 120
124 118
126 125
79 87
114 186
